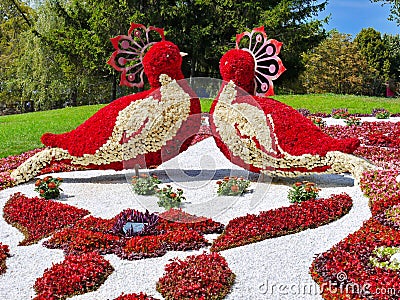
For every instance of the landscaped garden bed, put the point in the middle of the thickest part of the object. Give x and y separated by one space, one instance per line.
259 239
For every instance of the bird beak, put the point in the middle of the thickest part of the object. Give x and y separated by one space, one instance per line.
183 54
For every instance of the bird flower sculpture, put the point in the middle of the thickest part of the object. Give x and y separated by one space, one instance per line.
144 129
266 136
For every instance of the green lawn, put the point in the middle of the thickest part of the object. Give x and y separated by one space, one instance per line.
20 133
325 102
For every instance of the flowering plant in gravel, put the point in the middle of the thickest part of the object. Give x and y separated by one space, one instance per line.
77 274
37 217
232 186
205 276
134 296
48 187
282 221
318 121
168 198
340 113
303 191
145 184
352 121
381 113
4 253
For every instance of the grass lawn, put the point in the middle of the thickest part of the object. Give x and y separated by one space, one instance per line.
20 133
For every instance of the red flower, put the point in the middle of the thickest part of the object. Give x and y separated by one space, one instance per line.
234 188
52 185
38 182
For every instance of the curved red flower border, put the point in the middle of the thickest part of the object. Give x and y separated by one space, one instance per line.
282 221
38 218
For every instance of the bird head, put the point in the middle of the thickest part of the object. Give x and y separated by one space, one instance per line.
254 64
238 65
162 58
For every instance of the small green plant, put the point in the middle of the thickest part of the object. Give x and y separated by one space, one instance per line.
381 113
145 184
340 113
168 198
303 191
318 121
352 120
233 186
48 187
386 258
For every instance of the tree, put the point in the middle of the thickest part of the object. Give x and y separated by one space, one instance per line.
15 19
370 43
336 66
394 9
67 55
392 43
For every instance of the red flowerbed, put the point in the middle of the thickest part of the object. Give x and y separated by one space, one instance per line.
140 247
176 219
4 253
140 296
38 218
77 274
205 276
382 189
282 221
382 134
182 240
347 265
345 271
76 241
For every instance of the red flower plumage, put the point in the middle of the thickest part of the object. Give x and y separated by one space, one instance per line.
162 58
280 133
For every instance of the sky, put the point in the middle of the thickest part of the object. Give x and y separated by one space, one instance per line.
350 16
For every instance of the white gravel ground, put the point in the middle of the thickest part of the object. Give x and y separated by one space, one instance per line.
272 269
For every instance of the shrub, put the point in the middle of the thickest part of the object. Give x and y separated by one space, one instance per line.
381 113
145 184
318 121
48 187
303 191
168 198
233 186
351 120
340 113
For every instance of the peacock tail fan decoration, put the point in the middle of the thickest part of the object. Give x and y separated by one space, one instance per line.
130 50
268 66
